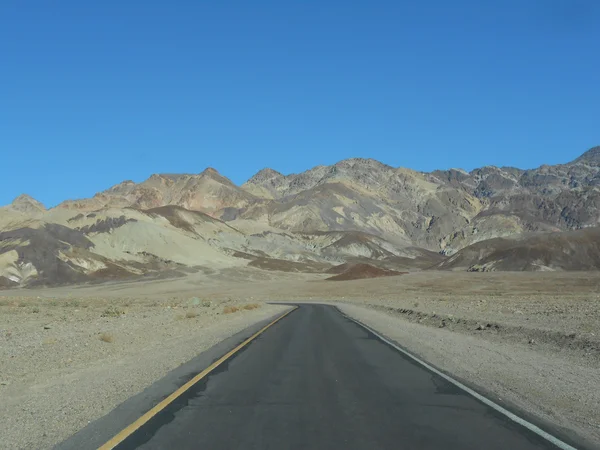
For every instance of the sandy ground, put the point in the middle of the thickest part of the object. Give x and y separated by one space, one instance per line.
66 362
531 339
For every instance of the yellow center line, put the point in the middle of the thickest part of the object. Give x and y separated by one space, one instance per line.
128 431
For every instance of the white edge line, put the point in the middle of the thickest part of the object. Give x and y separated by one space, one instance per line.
537 430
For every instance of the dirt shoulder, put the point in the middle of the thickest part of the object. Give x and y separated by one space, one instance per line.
69 361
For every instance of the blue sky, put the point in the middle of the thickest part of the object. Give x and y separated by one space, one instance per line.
93 93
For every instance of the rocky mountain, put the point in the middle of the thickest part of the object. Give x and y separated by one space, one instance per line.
27 205
355 211
441 211
208 192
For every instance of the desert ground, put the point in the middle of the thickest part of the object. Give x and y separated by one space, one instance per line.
69 355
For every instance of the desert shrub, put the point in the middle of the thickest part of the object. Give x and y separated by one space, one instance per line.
230 309
107 337
112 311
251 306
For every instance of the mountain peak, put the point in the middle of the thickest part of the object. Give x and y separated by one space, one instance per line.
264 175
210 171
27 204
360 162
123 186
215 175
591 157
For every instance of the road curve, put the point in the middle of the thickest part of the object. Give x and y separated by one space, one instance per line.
317 380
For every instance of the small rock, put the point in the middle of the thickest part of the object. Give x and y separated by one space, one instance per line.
4 383
46 327
480 327
531 341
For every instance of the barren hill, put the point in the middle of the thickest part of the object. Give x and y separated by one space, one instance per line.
358 271
355 211
208 191
568 250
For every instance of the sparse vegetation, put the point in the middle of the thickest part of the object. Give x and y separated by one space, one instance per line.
230 309
72 304
112 311
251 306
35 310
247 307
107 337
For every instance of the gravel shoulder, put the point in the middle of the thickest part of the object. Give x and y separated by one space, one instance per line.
67 362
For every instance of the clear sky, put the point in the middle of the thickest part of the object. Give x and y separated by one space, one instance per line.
96 92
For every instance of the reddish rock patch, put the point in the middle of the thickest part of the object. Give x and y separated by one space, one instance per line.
359 271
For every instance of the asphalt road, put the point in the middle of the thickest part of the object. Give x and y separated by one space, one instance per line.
317 380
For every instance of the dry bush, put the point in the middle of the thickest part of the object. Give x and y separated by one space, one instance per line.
251 306
72 303
106 337
230 309
191 314
112 311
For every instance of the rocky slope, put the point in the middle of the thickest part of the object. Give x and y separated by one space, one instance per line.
65 246
441 211
358 210
567 250
208 192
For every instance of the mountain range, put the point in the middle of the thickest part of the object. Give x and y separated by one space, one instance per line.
355 211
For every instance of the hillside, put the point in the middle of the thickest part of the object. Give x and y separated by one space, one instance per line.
355 211
569 250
